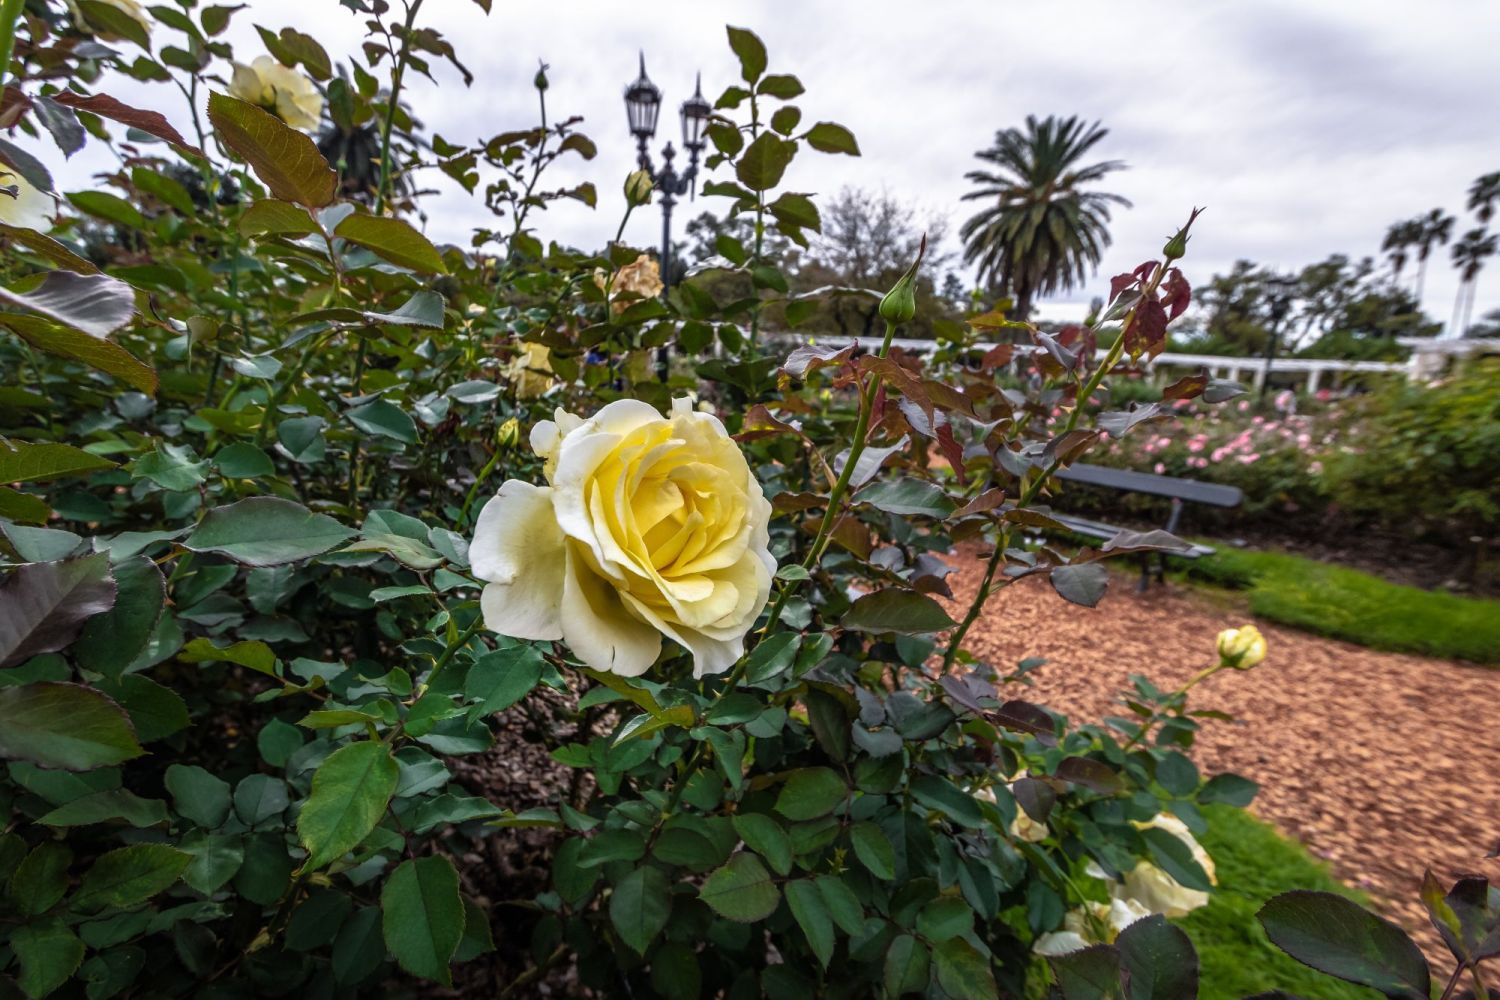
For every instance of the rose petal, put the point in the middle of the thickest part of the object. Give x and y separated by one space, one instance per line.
520 551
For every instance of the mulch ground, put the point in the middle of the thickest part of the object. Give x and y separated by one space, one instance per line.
1383 764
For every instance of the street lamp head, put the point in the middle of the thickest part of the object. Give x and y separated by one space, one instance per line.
642 105
696 111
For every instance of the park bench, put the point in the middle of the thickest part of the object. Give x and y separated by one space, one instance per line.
1179 491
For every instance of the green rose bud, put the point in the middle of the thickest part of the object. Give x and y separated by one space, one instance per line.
1176 247
638 188
900 303
540 80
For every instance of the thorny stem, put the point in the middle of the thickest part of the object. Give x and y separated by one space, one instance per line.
398 71
452 650
841 486
986 585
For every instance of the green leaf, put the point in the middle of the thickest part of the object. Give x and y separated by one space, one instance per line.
260 800
742 890
1160 960
285 160
811 792
350 792
939 793
945 917
842 904
155 711
250 653
1339 937
772 656
873 848
198 795
49 954
906 966
266 531
1089 974
65 726
21 461
394 240
1081 583
1176 859
358 950
422 309
907 498
763 835
499 679
1230 789
963 972
96 304
383 418
129 875
101 355
811 914
109 207
639 907
43 606
269 217
41 879
422 915
796 210
764 161
780 85
829 137
750 50
111 804
277 741
112 641
897 610
47 247
216 859
243 460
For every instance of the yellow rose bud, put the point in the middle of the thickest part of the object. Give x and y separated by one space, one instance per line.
638 188
509 434
1241 648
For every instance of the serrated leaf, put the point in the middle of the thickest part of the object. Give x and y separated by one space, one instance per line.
742 890
1337 936
811 914
266 531
285 160
829 137
896 610
811 792
65 342
639 907
394 240
65 726
422 916
350 792
269 217
43 606
129 875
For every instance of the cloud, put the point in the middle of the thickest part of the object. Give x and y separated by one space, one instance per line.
1305 129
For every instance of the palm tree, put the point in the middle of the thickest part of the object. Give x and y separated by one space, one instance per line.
1433 229
1042 231
1483 194
1469 255
1399 239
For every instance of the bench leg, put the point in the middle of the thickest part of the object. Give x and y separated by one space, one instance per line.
1145 583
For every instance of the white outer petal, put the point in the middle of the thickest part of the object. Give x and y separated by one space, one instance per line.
519 551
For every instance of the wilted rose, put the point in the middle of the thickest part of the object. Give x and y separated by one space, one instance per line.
1090 924
650 526
279 89
531 371
640 278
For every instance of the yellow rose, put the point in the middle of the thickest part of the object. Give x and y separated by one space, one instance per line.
279 89
1241 648
649 526
531 371
23 205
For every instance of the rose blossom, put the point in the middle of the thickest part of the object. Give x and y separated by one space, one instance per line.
649 526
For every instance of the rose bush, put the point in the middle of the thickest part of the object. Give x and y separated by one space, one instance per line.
271 638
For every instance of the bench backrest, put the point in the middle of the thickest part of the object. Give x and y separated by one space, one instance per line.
1189 490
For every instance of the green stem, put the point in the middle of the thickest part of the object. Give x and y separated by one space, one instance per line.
986 585
10 13
841 486
484 474
275 400
397 72
452 650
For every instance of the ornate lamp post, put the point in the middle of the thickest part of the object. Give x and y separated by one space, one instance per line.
642 106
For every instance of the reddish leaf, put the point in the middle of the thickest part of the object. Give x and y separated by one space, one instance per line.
152 122
1186 387
986 501
805 360
1177 295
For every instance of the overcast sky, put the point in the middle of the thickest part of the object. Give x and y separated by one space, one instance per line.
1305 128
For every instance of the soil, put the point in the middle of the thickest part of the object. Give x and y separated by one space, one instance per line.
1382 764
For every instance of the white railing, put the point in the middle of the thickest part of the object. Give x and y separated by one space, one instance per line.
1429 358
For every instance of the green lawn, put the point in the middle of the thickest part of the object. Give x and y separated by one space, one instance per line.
1253 864
1348 604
